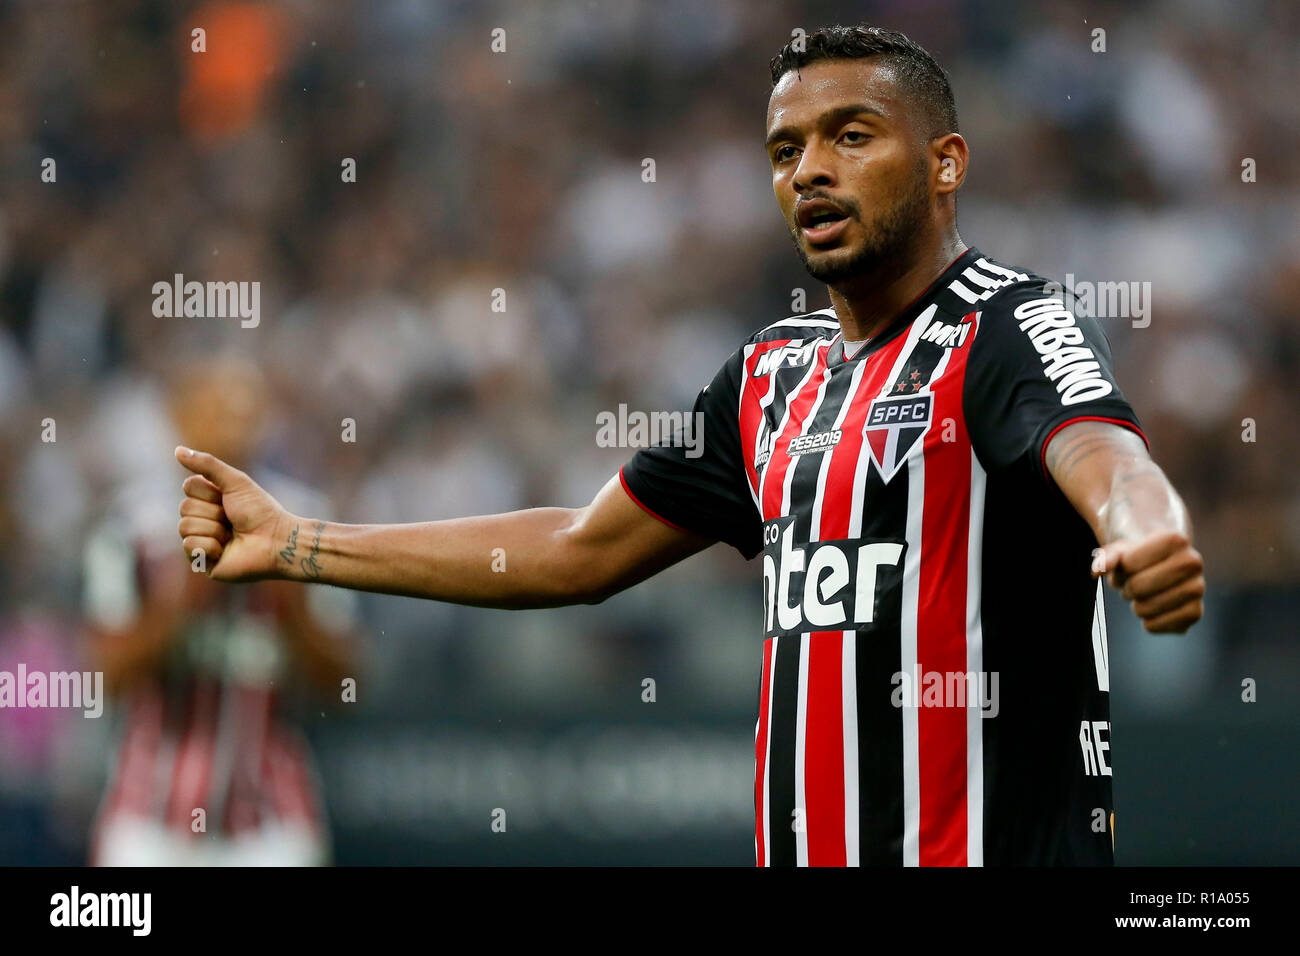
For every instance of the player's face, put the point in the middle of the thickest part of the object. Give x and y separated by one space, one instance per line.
849 168
220 408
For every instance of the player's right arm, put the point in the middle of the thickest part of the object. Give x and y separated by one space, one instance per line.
540 557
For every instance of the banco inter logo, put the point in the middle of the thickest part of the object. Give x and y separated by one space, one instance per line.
893 425
825 585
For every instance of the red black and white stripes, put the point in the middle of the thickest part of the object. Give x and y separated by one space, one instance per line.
835 759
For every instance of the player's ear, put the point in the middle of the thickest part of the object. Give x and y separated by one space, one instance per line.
948 156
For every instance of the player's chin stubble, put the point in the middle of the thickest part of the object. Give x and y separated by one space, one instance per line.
887 240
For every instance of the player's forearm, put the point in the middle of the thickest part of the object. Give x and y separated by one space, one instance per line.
1106 473
1141 503
1140 522
521 559
136 650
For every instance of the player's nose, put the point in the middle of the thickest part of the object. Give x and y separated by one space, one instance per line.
815 169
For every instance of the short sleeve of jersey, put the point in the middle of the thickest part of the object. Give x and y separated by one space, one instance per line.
1036 366
696 481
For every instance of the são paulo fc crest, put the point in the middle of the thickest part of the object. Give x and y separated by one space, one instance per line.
893 426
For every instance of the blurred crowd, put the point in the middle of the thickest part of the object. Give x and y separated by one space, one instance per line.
500 271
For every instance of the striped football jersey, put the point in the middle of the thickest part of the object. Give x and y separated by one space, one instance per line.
934 685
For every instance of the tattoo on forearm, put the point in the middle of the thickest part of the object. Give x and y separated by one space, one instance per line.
1083 440
1092 459
1061 460
311 564
287 552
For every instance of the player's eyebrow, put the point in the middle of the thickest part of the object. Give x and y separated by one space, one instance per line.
837 115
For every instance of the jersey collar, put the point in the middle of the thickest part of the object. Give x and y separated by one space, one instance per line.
914 308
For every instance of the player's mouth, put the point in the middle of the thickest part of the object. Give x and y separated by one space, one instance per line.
821 221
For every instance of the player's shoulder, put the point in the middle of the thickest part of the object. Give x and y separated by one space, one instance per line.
1030 319
790 339
998 290
807 325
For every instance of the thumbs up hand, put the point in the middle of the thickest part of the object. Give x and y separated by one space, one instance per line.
239 527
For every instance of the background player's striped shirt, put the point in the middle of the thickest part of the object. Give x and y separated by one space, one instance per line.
934 684
210 728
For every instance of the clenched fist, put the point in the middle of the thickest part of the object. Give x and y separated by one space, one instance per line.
1162 577
230 518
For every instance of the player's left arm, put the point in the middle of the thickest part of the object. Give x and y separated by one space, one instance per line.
1140 521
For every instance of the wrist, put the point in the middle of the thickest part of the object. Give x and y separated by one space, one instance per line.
288 546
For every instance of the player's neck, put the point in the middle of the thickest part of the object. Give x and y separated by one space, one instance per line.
868 304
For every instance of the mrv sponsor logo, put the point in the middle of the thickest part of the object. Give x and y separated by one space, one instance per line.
893 425
75 908
947 336
1067 362
946 689
785 356
638 429
825 585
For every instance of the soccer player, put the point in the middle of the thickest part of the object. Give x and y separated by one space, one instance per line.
927 469
212 681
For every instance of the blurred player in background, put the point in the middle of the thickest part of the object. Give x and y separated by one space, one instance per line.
206 677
